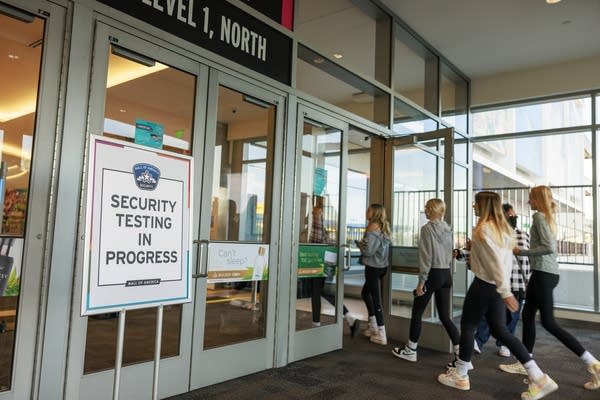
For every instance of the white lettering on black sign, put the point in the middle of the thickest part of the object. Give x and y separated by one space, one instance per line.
219 26
233 33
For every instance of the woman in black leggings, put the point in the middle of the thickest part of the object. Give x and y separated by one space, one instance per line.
374 249
435 277
544 278
490 295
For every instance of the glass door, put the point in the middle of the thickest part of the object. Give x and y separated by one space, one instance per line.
422 169
320 234
365 185
135 81
31 34
234 321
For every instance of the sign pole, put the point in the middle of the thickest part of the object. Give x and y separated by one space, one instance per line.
119 355
157 344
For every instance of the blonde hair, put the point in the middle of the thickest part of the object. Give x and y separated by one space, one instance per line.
490 210
436 207
378 216
543 201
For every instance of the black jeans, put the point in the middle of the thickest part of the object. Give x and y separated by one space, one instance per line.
317 285
439 282
483 299
539 297
371 292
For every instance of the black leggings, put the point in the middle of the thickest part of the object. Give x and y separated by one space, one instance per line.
317 285
483 299
371 292
439 282
539 297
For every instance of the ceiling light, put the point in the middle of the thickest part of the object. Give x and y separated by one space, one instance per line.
318 60
552 1
122 110
337 55
13 56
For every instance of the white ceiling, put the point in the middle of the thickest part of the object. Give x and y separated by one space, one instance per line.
484 37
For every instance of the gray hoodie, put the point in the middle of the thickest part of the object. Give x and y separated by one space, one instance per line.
374 248
435 247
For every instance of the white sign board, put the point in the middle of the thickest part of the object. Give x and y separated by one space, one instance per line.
234 262
138 232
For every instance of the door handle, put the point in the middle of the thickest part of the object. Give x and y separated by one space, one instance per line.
347 257
200 264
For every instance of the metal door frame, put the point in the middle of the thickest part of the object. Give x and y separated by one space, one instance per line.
318 340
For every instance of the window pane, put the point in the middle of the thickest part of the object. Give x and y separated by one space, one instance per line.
415 173
534 116
19 82
454 90
327 81
319 221
241 212
408 120
355 34
127 103
415 71
510 167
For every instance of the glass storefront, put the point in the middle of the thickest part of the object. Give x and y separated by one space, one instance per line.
319 223
21 46
236 310
130 84
355 34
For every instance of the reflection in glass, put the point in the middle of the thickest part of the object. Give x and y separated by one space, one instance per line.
460 209
319 221
21 44
525 117
454 96
359 183
415 182
511 166
408 120
355 34
415 71
131 90
236 309
329 82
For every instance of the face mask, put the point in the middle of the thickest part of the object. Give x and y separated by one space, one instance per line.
512 221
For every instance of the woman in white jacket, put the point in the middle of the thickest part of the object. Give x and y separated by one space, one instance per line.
490 295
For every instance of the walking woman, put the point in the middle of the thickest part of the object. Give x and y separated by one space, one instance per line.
374 248
490 295
435 277
544 278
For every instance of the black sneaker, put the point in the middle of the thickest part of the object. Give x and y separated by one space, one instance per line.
355 328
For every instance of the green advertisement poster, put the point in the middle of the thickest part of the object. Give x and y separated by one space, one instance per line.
316 260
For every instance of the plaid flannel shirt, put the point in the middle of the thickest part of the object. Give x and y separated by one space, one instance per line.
517 283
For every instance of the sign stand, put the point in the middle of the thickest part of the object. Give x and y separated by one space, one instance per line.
157 344
119 355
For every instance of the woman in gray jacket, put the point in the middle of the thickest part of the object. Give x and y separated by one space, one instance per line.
374 248
435 277
544 278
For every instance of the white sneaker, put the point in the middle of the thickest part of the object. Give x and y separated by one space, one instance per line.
539 389
405 353
370 331
476 347
503 351
516 368
594 383
452 379
378 338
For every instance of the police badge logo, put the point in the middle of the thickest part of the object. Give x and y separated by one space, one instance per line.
146 176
